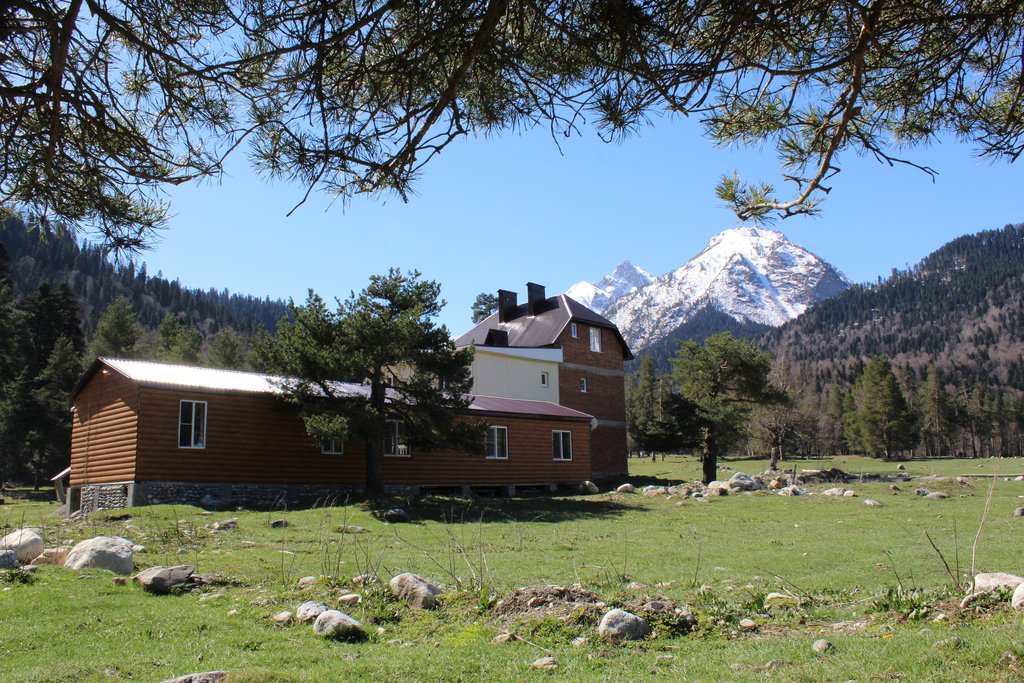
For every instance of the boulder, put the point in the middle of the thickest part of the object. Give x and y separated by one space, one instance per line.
395 515
278 523
8 559
626 488
1019 512
821 646
718 488
937 494
205 677
307 582
921 491
748 624
618 624
26 544
283 618
743 482
226 524
833 492
1018 598
590 487
337 625
112 553
310 610
55 556
849 494
872 503
984 583
161 580
792 490
415 590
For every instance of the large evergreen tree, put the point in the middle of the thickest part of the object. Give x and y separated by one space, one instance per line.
117 331
383 339
648 416
720 382
883 423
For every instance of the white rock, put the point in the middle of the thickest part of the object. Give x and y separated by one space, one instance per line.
112 553
619 624
350 599
626 488
545 663
55 556
1018 598
590 487
821 646
283 618
849 494
833 492
310 610
27 544
338 625
872 503
937 494
415 590
984 583
792 490
748 624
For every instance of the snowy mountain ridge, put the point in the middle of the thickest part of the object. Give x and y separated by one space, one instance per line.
751 274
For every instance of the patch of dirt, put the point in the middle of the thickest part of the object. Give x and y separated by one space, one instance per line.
547 600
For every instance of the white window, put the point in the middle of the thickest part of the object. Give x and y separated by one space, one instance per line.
192 424
544 379
496 443
583 385
595 339
332 447
395 444
561 445
574 330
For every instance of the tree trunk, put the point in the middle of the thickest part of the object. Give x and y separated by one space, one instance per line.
374 484
709 459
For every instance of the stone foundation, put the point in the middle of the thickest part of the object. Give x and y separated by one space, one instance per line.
106 496
267 496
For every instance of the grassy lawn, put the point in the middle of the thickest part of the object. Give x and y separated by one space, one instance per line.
867 579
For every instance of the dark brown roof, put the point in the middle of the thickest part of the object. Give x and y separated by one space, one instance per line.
521 330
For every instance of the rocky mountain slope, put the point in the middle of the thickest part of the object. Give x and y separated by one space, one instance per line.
751 275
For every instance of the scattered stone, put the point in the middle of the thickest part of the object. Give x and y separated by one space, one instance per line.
310 610
29 568
651 491
1008 659
849 494
279 524
792 490
949 644
1019 512
921 491
901 467
8 559
626 488
872 503
365 580
415 590
545 663
206 677
718 488
821 646
283 618
111 553
636 586
350 529
120 581
26 544
777 597
579 641
748 624
210 596
1017 601
619 624
350 599
833 492
743 482
162 580
894 488
232 613
307 582
590 487
55 556
503 638
338 626
772 664
984 583
937 495
395 516
225 525
663 659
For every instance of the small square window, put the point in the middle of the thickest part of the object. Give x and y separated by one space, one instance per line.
544 379
561 444
192 424
595 339
332 447
574 330
583 385
496 443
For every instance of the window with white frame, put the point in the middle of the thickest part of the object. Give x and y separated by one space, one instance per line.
544 379
595 339
574 330
561 444
332 447
395 443
583 385
192 424
496 443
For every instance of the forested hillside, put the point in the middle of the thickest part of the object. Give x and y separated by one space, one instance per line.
96 281
961 308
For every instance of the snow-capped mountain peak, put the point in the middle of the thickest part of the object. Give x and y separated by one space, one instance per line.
624 279
751 274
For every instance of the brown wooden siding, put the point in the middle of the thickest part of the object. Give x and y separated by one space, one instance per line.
104 430
257 439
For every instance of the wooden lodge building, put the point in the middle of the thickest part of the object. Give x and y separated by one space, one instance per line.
547 379
148 433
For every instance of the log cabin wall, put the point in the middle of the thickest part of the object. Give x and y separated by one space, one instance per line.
104 432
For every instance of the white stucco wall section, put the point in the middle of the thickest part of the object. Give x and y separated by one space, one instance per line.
516 373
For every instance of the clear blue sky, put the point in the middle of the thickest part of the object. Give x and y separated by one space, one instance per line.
502 211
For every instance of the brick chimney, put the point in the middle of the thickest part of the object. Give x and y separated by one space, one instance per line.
507 302
535 298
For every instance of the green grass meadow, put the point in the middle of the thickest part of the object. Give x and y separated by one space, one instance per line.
867 579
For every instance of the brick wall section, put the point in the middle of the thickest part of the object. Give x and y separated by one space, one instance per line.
605 398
